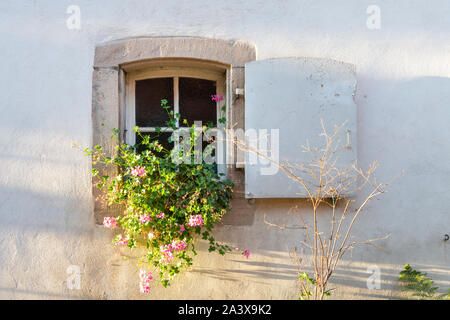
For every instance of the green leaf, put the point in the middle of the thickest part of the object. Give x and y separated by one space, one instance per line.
417 283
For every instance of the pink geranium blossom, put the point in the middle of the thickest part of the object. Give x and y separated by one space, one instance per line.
110 222
144 218
122 242
144 284
178 245
167 254
138 171
161 215
216 97
195 220
168 249
246 253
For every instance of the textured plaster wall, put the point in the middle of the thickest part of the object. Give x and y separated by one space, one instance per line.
46 209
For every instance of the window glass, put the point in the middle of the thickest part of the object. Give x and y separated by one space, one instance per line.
194 104
195 100
149 93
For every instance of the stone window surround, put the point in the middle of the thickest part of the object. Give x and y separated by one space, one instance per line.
114 59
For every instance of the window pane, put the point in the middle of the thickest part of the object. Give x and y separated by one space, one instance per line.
195 100
149 93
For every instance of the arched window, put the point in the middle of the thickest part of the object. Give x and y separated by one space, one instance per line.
131 76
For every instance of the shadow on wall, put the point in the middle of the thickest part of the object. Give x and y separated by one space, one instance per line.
37 212
403 124
351 279
254 271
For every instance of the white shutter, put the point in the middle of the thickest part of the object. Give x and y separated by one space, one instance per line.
293 95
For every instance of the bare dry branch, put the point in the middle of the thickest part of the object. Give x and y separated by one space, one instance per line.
330 186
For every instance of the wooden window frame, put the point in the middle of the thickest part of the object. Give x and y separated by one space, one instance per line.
174 72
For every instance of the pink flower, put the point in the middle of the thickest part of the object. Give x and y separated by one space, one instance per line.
144 288
195 220
167 254
110 222
167 250
122 242
144 218
138 171
178 245
246 253
167 258
144 283
216 97
181 229
161 215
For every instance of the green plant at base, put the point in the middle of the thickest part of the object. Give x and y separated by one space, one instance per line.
421 285
307 285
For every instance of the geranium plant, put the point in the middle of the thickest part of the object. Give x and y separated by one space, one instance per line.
167 205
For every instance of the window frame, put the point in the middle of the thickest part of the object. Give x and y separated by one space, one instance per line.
114 59
174 72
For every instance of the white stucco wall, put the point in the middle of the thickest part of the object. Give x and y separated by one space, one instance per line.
403 91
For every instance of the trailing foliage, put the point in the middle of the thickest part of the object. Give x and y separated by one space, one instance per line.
166 204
